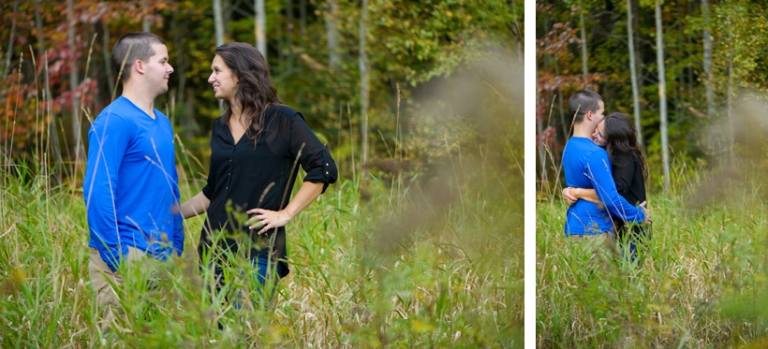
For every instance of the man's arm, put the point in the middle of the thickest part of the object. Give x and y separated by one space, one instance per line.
571 195
108 139
599 173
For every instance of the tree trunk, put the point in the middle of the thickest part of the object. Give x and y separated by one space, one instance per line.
542 155
662 94
730 89
53 137
563 124
218 22
707 58
332 35
73 83
583 42
261 32
146 22
187 121
9 52
280 43
106 49
633 73
364 79
303 18
289 33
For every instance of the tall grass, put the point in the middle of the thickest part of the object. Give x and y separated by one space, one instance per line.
451 280
701 285
405 261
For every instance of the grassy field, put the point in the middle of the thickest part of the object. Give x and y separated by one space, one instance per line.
402 268
702 283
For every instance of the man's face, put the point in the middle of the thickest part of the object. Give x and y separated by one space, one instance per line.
158 70
597 116
599 135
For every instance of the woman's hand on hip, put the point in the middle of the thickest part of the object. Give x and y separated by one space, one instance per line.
267 219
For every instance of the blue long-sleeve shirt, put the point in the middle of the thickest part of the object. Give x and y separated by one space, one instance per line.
586 165
131 184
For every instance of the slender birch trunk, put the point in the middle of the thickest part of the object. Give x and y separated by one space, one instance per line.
364 78
261 23
218 22
633 73
583 42
662 94
146 22
73 83
707 58
332 35
730 89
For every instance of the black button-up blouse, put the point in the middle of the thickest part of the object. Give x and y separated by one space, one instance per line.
244 176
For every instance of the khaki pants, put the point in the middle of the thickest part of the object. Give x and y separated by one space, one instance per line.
107 299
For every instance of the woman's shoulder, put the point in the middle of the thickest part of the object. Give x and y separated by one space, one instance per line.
217 121
282 110
282 115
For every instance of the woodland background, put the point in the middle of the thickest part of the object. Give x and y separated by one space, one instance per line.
678 68
349 66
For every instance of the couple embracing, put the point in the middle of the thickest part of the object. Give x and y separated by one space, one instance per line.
604 174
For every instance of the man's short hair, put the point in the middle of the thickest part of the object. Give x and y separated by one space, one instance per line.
582 102
133 46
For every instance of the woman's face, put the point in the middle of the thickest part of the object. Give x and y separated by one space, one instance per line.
599 135
223 81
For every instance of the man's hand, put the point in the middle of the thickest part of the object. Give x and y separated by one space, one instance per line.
570 199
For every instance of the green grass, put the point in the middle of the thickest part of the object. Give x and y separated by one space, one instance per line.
702 285
398 270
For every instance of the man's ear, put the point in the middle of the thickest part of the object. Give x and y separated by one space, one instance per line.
588 115
139 65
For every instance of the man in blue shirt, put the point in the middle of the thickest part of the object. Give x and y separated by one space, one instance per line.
586 165
131 185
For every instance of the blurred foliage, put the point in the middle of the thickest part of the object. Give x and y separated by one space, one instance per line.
410 45
738 32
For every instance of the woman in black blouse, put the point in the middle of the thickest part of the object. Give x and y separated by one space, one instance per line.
256 147
619 138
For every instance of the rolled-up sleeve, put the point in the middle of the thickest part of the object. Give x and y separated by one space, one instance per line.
312 154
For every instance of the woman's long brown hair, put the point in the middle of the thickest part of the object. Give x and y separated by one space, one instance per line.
621 138
255 90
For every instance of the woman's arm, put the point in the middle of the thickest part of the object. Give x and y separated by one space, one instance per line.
267 219
195 206
571 195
